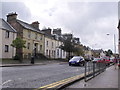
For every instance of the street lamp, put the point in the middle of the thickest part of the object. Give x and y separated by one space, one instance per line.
114 43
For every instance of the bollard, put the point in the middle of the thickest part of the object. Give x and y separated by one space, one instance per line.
93 69
32 60
99 67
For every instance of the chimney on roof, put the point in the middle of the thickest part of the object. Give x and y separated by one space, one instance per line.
57 31
47 31
11 17
35 24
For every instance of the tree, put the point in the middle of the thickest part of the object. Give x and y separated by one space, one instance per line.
18 43
68 46
79 51
109 53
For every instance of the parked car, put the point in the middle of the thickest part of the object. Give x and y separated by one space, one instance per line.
112 60
95 60
106 60
77 60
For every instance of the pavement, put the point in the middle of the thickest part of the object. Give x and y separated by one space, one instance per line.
107 79
42 62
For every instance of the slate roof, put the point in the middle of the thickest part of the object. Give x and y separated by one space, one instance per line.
6 26
28 26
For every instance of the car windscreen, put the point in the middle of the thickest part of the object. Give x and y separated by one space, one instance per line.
96 59
75 59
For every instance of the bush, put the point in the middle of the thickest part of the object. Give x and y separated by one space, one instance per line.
16 57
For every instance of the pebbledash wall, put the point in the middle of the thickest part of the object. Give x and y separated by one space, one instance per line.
8 41
8 34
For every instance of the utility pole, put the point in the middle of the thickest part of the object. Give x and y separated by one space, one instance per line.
114 44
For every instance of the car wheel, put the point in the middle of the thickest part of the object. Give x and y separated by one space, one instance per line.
79 64
69 64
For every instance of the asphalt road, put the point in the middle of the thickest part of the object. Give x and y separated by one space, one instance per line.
37 76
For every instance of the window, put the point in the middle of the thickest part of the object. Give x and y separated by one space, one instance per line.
29 34
40 47
47 43
63 53
36 36
57 52
46 52
54 53
52 44
49 53
28 46
6 48
40 37
7 34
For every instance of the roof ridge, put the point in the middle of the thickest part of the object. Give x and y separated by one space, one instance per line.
23 21
29 26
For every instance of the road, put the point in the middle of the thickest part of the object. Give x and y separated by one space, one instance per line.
37 76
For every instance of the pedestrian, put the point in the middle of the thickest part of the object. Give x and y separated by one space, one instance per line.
115 62
119 63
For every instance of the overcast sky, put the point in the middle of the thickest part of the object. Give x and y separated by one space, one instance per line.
90 21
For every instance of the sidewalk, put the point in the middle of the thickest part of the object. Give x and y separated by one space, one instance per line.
27 63
107 79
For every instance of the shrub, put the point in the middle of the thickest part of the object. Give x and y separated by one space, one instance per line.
16 57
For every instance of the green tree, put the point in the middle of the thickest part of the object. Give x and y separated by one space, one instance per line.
68 46
19 43
109 53
79 51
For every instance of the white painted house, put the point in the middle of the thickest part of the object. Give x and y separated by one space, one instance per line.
52 44
8 34
59 52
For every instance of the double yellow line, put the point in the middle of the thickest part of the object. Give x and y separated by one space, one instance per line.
53 85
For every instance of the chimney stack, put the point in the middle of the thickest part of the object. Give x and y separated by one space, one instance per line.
47 31
35 24
57 31
11 17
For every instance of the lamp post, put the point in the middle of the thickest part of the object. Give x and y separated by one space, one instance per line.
114 43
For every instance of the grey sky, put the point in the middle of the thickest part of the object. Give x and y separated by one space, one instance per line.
90 21
19 7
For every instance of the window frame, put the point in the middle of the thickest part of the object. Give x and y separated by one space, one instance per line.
7 34
6 48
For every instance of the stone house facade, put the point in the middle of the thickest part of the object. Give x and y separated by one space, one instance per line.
30 33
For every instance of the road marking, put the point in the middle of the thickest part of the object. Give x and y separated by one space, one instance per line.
61 82
6 82
54 83
57 82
